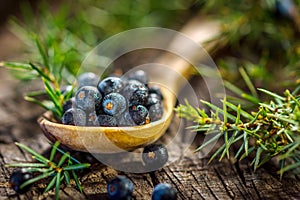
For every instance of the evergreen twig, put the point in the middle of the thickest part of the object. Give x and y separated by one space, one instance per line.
48 168
272 131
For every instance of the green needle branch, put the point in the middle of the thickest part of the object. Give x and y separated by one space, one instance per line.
272 131
48 168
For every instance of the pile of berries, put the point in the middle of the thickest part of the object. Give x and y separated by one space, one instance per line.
114 101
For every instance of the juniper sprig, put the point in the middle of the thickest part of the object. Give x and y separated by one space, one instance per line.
272 131
61 171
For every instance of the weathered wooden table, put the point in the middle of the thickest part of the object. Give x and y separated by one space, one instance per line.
193 178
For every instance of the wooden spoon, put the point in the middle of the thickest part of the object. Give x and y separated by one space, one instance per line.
118 139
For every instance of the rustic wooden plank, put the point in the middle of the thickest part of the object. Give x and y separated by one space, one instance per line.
193 178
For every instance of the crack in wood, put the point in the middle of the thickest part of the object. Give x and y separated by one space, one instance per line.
240 173
154 180
198 193
256 190
178 189
225 186
210 189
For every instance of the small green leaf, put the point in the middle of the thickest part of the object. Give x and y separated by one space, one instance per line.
211 140
50 184
63 158
266 159
263 146
246 143
241 93
290 147
36 93
41 104
201 128
37 178
71 157
27 165
77 166
16 66
272 94
249 150
240 111
238 115
289 167
39 159
31 151
40 72
241 148
67 177
227 145
216 153
295 100
248 82
236 137
217 109
257 157
250 98
41 170
296 90
57 185
77 181
282 118
49 89
233 88
202 113
41 51
52 95
281 164
224 114
53 151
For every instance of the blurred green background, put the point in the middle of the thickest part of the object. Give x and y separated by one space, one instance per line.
260 36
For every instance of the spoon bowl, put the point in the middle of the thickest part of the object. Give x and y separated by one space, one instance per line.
108 139
118 139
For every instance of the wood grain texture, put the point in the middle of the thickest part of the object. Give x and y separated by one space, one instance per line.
193 178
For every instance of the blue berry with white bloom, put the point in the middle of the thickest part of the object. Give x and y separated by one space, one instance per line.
155 156
107 120
156 112
114 104
164 191
70 103
88 98
139 114
110 85
135 92
155 89
120 188
92 119
74 116
17 178
87 79
152 99
125 119
139 75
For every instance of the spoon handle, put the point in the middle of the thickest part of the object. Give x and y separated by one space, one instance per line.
174 70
